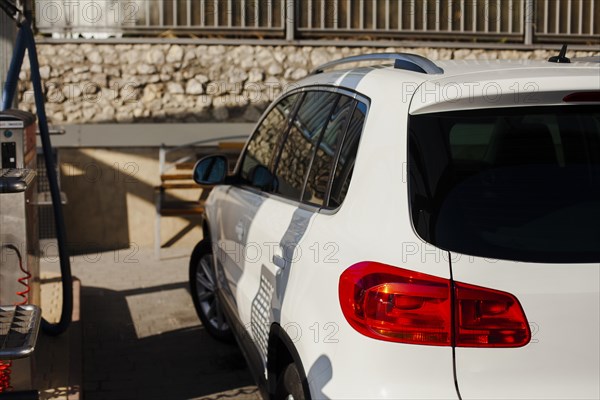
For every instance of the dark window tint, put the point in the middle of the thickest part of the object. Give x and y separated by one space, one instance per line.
520 184
256 167
347 157
469 141
299 144
320 172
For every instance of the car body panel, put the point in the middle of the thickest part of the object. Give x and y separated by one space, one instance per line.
562 305
546 86
340 362
232 211
374 224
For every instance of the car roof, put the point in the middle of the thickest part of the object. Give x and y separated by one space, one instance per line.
457 68
468 84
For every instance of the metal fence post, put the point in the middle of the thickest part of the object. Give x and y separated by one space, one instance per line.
290 20
8 35
529 18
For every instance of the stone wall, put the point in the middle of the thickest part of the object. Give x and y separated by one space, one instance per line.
87 83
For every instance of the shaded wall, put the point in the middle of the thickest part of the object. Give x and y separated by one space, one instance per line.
111 201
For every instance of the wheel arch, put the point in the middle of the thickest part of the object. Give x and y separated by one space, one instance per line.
281 352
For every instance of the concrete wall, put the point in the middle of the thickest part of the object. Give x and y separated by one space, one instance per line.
111 200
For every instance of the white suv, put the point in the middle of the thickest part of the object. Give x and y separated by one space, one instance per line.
413 229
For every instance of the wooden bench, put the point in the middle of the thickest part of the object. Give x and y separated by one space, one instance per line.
178 176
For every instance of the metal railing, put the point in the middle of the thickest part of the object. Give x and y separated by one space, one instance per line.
515 21
255 18
557 20
422 18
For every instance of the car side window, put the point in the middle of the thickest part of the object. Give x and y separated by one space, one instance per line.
298 147
347 157
257 164
315 191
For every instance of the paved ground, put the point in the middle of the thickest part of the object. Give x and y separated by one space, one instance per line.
141 336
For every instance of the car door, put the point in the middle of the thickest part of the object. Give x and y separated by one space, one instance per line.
274 229
237 206
281 225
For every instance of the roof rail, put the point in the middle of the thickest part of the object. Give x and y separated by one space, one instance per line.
407 61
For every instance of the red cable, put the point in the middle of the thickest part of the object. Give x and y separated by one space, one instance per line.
24 280
5 366
5 376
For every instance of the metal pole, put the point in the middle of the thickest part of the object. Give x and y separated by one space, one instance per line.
8 35
290 20
529 11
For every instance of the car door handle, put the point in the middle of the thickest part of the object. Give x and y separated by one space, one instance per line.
278 259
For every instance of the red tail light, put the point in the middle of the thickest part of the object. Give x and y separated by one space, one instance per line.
489 318
398 305
395 304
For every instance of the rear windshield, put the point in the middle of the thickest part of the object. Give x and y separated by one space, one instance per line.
519 184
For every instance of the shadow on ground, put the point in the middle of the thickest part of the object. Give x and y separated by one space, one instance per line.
176 365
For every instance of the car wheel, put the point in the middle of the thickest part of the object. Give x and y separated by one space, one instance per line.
203 284
289 385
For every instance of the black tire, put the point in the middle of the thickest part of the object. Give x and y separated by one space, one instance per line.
289 384
202 288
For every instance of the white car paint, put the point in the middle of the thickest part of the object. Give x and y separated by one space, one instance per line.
374 224
562 303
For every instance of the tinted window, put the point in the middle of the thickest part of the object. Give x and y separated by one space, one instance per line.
520 184
320 172
298 147
469 141
256 167
347 157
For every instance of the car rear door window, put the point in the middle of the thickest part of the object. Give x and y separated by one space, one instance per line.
298 147
315 192
257 164
347 157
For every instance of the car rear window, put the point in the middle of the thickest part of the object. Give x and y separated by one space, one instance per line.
515 183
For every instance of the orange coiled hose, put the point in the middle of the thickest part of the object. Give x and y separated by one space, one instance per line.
5 376
24 280
5 366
